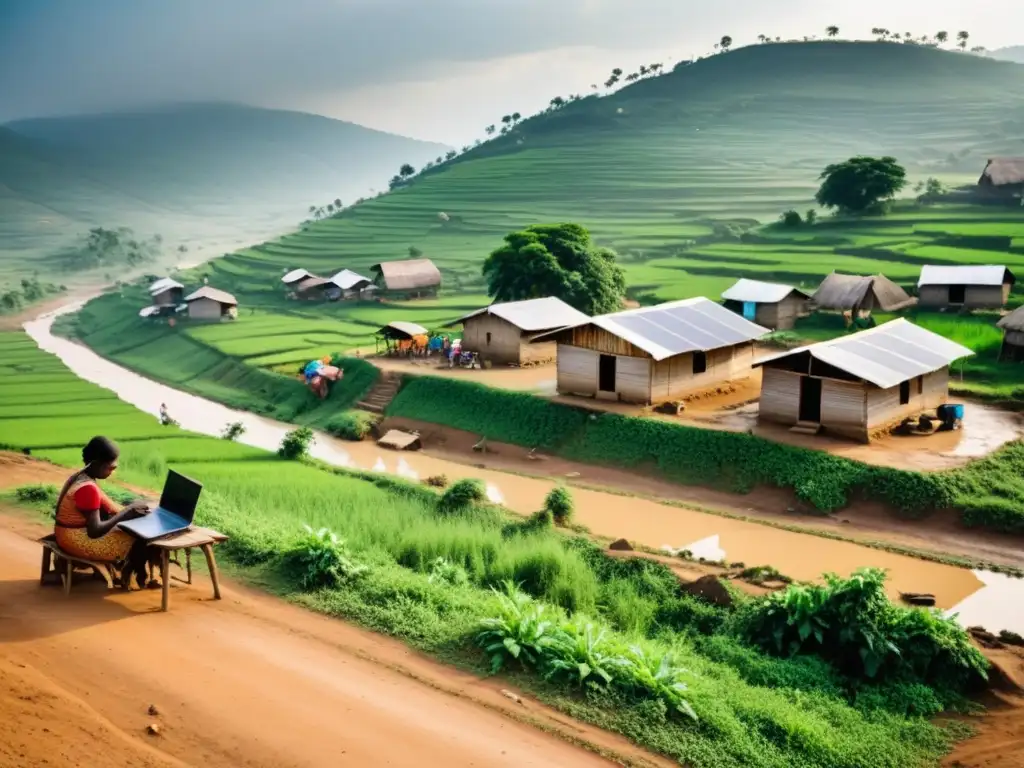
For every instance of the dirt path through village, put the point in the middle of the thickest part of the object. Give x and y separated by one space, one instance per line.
249 681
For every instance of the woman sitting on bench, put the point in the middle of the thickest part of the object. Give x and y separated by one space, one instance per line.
86 519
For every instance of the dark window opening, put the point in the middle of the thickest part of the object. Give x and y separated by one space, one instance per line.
957 294
904 392
488 338
920 385
700 362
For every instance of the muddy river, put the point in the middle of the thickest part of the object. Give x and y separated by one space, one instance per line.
978 597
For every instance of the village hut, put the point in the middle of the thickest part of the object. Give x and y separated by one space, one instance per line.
398 334
351 284
857 384
1013 336
654 354
411 277
211 304
854 293
295 276
505 333
964 287
166 292
314 288
1003 177
772 305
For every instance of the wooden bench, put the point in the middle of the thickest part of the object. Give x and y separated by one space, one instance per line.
56 559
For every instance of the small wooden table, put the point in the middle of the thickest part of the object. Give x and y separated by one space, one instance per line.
202 538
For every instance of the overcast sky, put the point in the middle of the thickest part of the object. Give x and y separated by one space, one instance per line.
438 70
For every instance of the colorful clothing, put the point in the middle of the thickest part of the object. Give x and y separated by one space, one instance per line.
313 370
79 500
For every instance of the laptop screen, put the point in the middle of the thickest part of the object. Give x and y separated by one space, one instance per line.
180 495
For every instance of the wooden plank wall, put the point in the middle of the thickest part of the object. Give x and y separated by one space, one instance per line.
884 406
503 347
674 376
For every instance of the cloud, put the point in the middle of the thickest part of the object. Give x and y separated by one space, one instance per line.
64 56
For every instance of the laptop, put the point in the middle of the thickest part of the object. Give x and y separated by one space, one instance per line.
173 515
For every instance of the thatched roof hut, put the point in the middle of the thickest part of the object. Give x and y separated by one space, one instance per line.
1003 172
856 292
407 276
1013 336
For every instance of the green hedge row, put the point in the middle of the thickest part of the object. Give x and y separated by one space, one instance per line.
989 493
501 415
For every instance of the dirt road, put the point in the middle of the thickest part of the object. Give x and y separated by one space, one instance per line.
245 682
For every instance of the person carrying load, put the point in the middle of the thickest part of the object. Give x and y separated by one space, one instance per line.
319 374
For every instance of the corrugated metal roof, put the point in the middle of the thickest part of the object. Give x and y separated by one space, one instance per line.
760 292
310 283
347 279
677 327
409 274
295 275
409 329
886 355
214 294
532 315
163 284
974 274
148 311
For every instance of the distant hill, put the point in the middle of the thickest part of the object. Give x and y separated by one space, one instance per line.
697 152
192 172
1013 53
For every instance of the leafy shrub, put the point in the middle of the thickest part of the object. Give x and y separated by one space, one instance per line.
461 496
577 650
443 571
321 560
791 218
559 503
852 623
759 574
348 426
38 493
523 630
233 431
296 443
437 481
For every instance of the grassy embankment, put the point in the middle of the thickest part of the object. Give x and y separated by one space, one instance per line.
753 708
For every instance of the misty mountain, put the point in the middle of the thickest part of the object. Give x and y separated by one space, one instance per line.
1012 53
188 172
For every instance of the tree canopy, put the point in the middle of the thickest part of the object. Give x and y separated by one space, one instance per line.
860 184
557 260
102 247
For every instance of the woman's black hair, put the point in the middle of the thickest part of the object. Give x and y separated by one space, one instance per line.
100 450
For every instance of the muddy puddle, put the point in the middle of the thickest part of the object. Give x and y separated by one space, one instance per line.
983 598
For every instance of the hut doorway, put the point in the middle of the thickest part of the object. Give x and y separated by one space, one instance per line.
957 294
810 399
606 373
